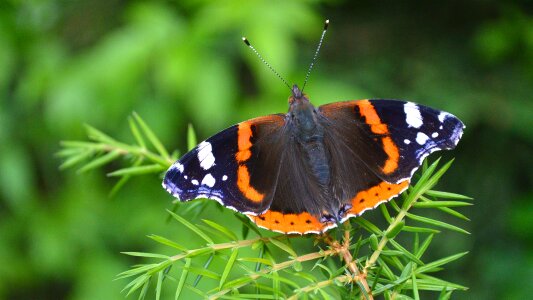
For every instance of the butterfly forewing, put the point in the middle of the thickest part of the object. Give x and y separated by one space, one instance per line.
417 131
226 166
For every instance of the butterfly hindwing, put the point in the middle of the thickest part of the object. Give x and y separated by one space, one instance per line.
225 166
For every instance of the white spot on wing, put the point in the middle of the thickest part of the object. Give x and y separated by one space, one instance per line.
434 134
209 180
413 118
456 135
224 178
205 155
178 166
442 116
421 138
195 182
185 176
407 142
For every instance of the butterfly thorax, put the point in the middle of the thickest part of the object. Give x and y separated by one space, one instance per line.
309 134
302 116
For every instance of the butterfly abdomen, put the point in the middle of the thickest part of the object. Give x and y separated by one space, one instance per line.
318 161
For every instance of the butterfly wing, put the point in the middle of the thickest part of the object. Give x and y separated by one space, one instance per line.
377 145
255 168
224 167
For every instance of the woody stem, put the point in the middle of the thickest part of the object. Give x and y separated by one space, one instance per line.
344 253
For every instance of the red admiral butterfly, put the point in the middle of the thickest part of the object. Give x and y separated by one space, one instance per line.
310 169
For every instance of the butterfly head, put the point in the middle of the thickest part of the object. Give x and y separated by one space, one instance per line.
301 112
297 96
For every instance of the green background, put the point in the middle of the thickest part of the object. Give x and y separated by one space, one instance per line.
66 63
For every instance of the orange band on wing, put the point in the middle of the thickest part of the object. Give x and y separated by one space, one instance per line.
367 110
288 223
243 182
243 135
394 155
371 197
243 176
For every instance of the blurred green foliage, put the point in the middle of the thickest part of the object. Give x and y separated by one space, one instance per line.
65 63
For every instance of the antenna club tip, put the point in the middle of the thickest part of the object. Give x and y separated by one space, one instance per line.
326 24
245 40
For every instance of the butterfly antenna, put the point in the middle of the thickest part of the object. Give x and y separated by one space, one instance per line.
316 54
245 40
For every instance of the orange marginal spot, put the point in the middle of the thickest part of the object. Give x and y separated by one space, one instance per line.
300 223
394 155
369 198
243 135
366 109
243 182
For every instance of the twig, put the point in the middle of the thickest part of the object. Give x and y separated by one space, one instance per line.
344 251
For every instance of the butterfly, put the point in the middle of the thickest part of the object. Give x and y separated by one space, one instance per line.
313 168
